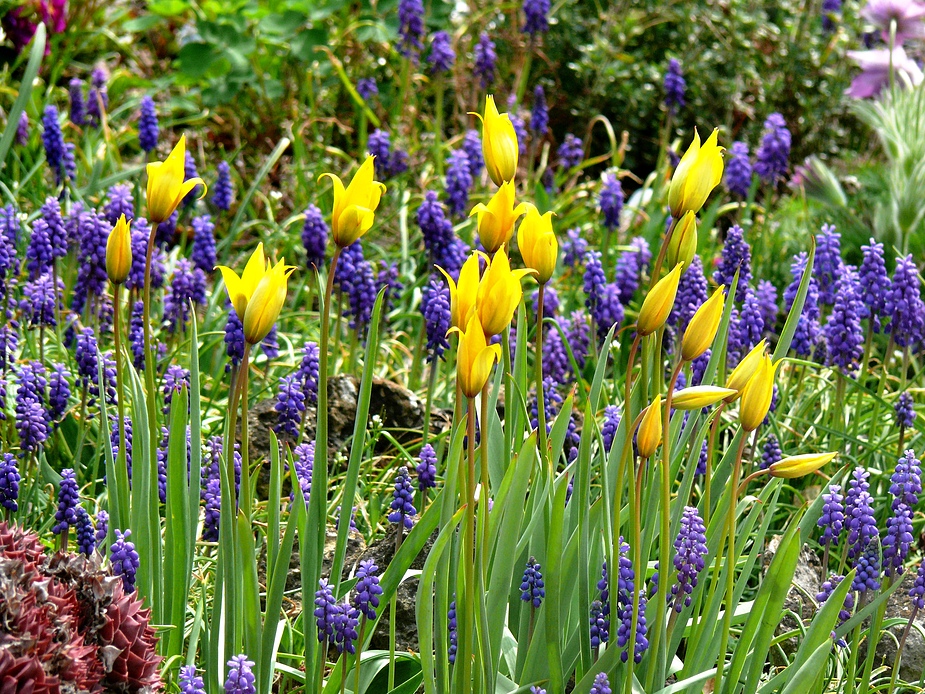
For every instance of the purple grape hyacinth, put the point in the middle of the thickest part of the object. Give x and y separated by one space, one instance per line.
571 152
917 592
690 549
325 609
532 588
203 251
223 195
832 519
485 59
315 236
442 56
9 482
843 336
124 559
611 201
859 514
427 468
738 170
873 284
736 255
904 304
828 266
240 679
906 481
189 682
367 589
774 152
435 306
674 86
290 406
148 130
402 505
458 182
410 28
601 684
536 17
539 115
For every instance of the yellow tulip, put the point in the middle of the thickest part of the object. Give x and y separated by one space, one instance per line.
266 302
800 465
701 330
166 184
462 295
499 294
757 395
499 143
474 358
119 252
683 242
658 302
538 245
258 294
746 368
698 173
354 206
495 220
649 434
696 397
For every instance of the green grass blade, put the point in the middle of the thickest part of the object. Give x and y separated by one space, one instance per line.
177 553
36 53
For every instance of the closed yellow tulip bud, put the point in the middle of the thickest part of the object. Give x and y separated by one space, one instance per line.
649 434
800 465
538 245
683 242
266 303
701 330
698 173
499 294
757 395
166 184
695 397
658 302
496 219
355 206
499 143
258 294
119 252
746 368
474 358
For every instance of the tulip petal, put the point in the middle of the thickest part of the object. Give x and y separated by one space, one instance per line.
235 290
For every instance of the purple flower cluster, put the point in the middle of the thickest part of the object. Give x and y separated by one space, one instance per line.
873 284
367 87
9 482
367 589
443 246
315 236
843 335
539 115
774 152
435 306
120 201
832 519
535 16
124 559
203 251
485 59
410 28
223 193
187 284
307 373
692 292
808 329
68 498
402 505
738 170
148 130
458 181
442 56
532 588
674 86
690 549
189 682
355 279
290 406
388 163
571 152
736 255
611 201
240 679
904 304
427 468
859 514
828 266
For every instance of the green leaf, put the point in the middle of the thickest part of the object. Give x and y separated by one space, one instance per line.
196 59
168 8
25 92
283 24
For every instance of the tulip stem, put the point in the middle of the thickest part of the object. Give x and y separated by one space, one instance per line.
243 380
120 508
657 268
464 643
664 546
541 443
730 561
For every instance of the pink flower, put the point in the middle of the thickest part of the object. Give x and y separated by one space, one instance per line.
908 15
875 75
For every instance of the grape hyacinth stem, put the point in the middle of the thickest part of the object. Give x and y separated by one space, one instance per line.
540 395
431 387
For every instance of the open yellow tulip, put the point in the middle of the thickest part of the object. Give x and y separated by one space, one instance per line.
166 184
698 173
355 206
499 294
258 294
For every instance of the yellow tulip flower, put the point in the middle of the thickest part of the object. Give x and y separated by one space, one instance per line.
258 294
499 143
166 184
499 294
659 302
698 173
474 358
354 206
800 465
538 245
649 434
696 397
462 295
757 395
119 252
495 220
701 330
746 368
683 242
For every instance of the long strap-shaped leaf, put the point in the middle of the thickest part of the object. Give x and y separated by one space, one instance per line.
25 92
